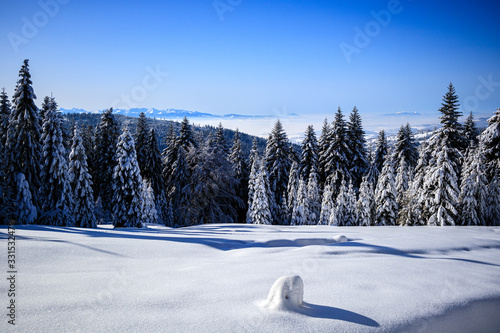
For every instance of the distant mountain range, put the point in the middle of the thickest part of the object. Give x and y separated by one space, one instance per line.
173 113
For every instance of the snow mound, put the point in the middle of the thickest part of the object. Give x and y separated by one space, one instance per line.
286 294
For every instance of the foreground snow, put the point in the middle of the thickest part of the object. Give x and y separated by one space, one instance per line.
215 278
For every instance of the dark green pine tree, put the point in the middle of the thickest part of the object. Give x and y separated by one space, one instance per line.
23 150
309 155
405 147
44 109
141 137
357 145
337 155
449 119
169 155
105 162
5 110
152 171
219 141
278 161
380 153
323 145
471 133
186 138
180 190
88 139
241 174
56 195
489 144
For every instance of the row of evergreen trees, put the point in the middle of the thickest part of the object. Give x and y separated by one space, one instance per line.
52 176
451 179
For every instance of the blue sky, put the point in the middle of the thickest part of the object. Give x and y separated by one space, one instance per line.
253 57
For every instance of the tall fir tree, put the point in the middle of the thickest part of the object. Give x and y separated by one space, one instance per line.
141 139
81 184
220 140
252 180
323 145
23 150
56 196
489 144
260 212
357 146
309 154
493 202
405 147
380 155
128 201
152 173
449 120
169 156
293 185
403 175
278 162
386 196
365 206
471 133
186 138
344 212
107 134
337 155
327 205
300 214
5 110
180 190
149 209
241 173
314 197
473 191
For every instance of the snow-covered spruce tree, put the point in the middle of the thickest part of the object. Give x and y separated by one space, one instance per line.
169 156
5 110
309 154
323 145
441 190
152 172
278 161
403 175
213 198
386 196
26 211
150 211
254 152
259 210
220 142
365 206
186 138
337 155
471 133
314 197
128 201
357 145
381 150
168 216
405 147
473 191
344 212
240 170
180 190
141 139
327 205
107 134
284 211
493 202
300 214
293 185
81 184
23 150
252 180
56 196
88 137
489 144
44 109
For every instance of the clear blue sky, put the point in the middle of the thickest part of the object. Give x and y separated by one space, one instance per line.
262 56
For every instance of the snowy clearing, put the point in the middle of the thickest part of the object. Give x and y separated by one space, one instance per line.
215 278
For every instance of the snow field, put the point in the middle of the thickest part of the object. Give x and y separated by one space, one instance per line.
214 278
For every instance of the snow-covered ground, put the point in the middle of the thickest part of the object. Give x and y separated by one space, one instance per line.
216 278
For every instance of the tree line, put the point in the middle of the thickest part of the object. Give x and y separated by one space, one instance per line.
80 176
